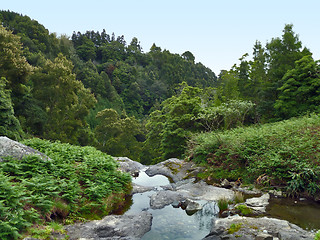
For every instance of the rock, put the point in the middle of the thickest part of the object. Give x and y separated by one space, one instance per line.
193 206
112 227
276 193
172 168
225 184
258 203
249 191
130 166
136 188
257 228
264 236
163 198
203 191
10 148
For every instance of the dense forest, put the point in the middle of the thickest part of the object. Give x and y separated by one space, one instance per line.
93 89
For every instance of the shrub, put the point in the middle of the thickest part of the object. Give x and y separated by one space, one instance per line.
286 152
35 191
223 204
244 210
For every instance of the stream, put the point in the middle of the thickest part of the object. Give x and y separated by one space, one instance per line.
169 222
175 223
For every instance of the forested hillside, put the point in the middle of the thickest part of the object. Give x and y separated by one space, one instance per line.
94 88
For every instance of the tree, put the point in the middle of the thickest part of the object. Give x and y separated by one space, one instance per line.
300 92
171 127
65 100
9 124
13 65
117 135
188 56
281 56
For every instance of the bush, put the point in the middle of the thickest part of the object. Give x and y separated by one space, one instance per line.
223 204
35 191
287 153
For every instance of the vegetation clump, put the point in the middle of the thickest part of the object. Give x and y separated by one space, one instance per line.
234 228
244 210
287 152
77 182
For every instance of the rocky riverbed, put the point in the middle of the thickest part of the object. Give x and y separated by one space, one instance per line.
185 191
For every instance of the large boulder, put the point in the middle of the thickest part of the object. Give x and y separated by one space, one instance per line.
236 227
129 227
10 148
130 166
174 168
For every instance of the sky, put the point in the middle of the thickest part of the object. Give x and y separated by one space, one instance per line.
218 33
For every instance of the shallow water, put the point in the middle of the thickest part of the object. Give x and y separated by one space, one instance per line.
169 222
175 224
305 214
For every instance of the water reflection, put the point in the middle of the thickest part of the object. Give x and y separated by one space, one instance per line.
305 214
169 222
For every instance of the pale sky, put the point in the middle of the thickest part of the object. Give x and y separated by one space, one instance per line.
218 33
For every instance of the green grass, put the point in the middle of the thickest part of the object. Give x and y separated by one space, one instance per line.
244 210
223 204
77 183
287 152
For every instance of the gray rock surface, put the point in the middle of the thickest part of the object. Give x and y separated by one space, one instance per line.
163 198
128 165
173 168
203 191
129 227
257 228
258 204
136 188
10 148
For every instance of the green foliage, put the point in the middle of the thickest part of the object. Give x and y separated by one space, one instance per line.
287 152
223 204
13 65
244 210
63 98
9 124
45 232
172 126
34 190
300 92
317 236
118 135
234 228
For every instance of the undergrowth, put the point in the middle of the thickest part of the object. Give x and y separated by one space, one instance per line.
75 183
285 154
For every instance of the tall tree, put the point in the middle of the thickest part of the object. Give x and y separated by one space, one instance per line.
281 56
65 100
13 65
300 92
118 135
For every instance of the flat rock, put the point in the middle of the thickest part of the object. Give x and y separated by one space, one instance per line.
203 191
130 227
136 188
10 148
257 228
258 204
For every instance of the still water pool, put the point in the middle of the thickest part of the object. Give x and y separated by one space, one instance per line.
169 222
